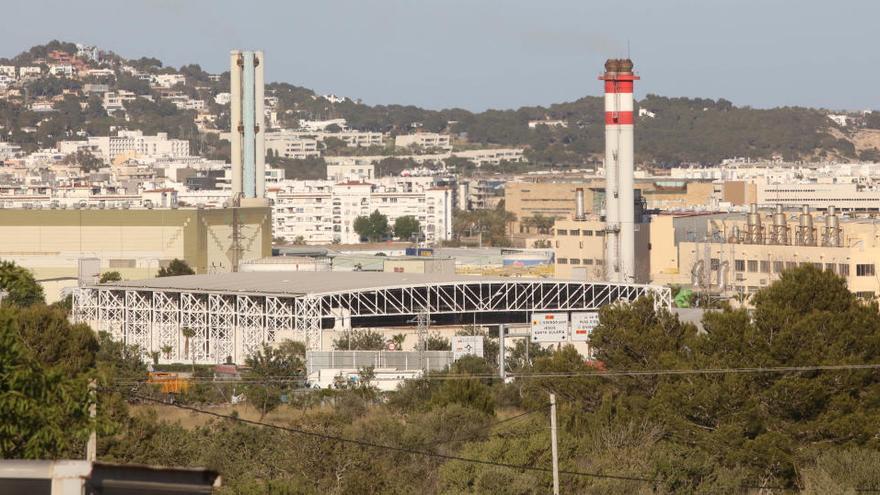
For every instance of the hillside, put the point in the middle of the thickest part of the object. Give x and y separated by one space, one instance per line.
691 130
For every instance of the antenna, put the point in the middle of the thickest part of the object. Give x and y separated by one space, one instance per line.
627 49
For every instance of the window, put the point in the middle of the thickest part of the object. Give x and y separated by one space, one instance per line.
753 266
739 265
868 295
588 233
575 261
588 261
765 267
843 270
562 261
790 265
714 264
600 233
830 267
562 232
778 266
865 270
574 232
600 262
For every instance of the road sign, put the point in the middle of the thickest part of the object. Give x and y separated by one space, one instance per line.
582 325
467 345
550 327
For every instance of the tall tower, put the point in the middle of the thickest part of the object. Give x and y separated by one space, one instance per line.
619 192
248 127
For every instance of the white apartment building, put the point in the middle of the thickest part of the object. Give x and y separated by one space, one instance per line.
350 172
819 196
424 140
62 70
168 80
223 98
323 212
115 100
320 125
130 143
357 139
291 145
26 72
491 156
7 70
534 124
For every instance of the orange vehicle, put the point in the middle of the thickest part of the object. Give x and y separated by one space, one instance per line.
170 383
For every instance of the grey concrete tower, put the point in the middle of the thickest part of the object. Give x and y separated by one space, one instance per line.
248 128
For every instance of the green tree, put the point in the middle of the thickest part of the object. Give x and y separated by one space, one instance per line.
437 342
268 367
176 268
374 227
360 340
406 227
19 284
44 413
51 340
113 276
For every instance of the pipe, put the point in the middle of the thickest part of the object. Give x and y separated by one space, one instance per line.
579 204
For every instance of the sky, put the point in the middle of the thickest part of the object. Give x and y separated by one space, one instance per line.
479 54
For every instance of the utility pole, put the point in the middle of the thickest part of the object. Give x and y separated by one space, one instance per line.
553 447
92 446
502 371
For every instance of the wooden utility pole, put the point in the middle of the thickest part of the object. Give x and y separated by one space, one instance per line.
553 447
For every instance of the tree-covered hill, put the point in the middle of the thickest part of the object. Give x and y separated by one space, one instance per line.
676 130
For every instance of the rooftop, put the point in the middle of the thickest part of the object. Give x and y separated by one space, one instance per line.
304 283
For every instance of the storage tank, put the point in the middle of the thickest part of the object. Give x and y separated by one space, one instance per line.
755 232
806 237
832 228
780 227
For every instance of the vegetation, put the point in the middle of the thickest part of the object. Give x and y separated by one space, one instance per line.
175 268
360 340
692 433
406 227
112 276
373 228
19 285
489 225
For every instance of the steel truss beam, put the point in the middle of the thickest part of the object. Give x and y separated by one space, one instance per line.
226 324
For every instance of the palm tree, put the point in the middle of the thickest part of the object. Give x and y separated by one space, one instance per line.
188 333
166 350
398 341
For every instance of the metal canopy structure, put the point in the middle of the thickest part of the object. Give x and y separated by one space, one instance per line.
229 316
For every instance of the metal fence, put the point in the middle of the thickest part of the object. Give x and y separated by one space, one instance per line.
400 360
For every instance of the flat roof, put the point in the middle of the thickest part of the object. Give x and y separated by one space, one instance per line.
304 283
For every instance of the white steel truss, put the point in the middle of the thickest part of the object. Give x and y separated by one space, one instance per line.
138 320
228 324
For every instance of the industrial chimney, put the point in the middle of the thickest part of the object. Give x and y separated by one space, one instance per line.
579 204
753 224
780 227
832 228
246 120
619 190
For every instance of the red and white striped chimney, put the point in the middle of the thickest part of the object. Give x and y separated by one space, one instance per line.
619 194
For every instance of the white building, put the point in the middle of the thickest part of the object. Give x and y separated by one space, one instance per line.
491 156
320 125
132 144
533 124
7 70
356 139
222 98
62 70
424 140
841 120
819 196
291 145
322 212
345 172
168 80
115 100
28 72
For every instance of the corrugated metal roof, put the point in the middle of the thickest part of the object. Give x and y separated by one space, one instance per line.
303 283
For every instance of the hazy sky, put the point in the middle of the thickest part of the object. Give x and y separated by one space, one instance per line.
481 54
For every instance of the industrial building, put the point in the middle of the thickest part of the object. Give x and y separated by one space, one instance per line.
730 254
135 243
233 314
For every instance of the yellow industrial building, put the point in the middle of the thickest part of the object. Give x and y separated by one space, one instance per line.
136 243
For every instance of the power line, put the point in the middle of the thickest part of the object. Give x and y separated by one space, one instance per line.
496 423
576 374
363 443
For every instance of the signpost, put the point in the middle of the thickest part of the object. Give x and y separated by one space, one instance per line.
467 345
550 327
582 325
